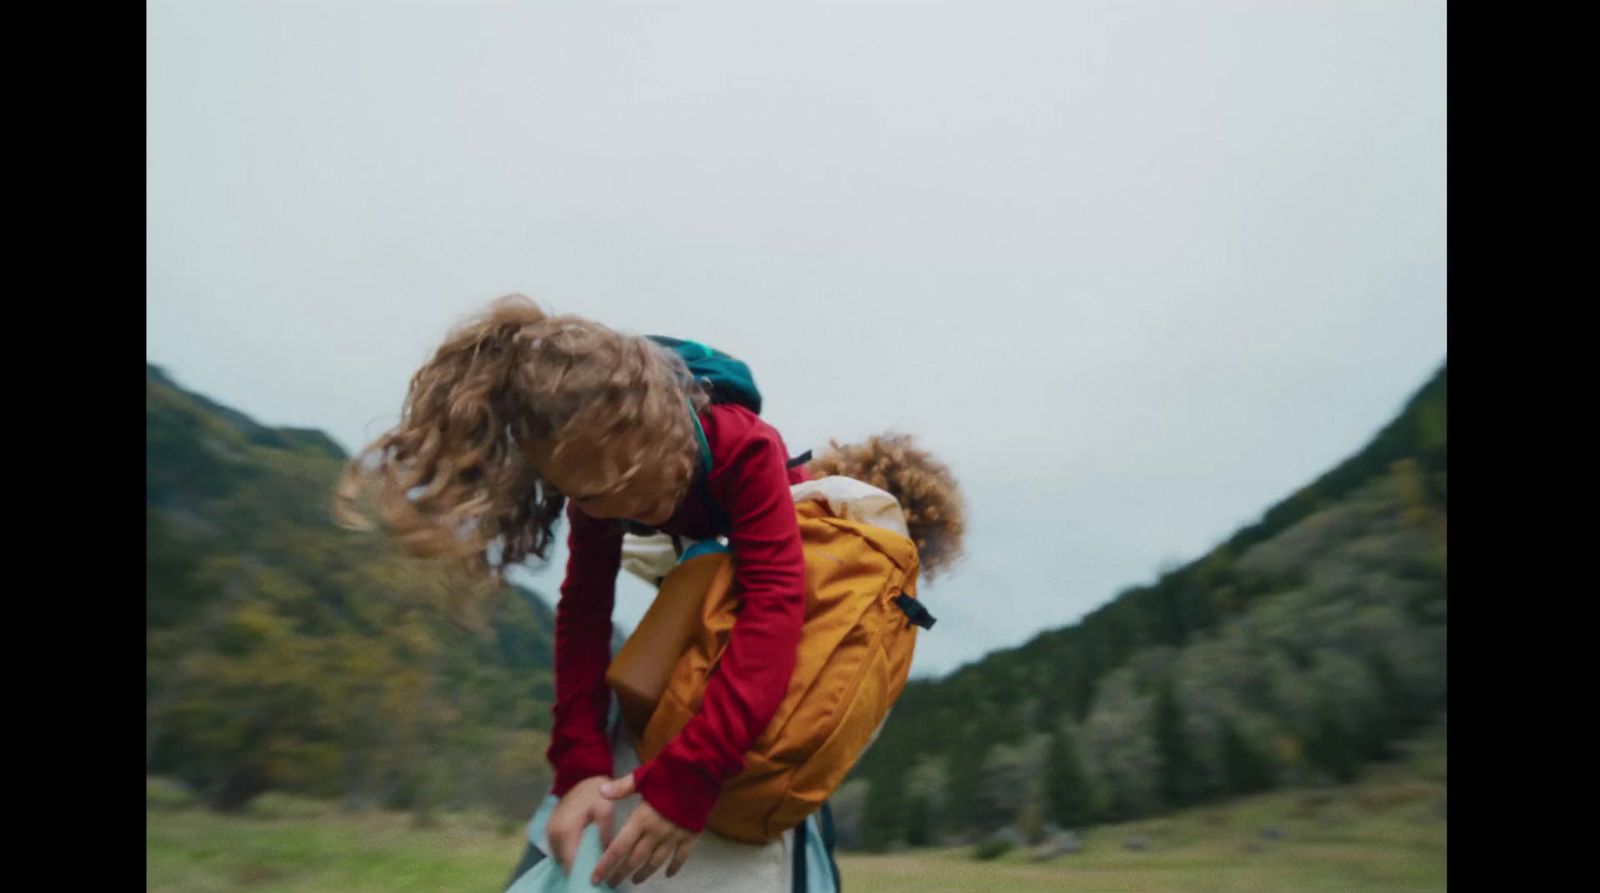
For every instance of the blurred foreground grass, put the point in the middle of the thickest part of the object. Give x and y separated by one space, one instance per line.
1385 833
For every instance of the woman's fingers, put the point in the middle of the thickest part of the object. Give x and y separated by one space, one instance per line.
680 856
617 788
616 852
561 845
637 856
658 856
605 817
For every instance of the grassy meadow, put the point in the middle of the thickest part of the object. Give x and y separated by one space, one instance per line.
1384 833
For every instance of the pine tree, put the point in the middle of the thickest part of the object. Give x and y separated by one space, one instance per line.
1247 769
919 820
965 777
1066 787
1330 745
887 810
1178 770
1394 716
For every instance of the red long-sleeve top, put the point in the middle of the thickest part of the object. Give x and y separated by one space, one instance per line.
749 482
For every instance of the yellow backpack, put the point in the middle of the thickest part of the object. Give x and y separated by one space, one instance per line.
854 656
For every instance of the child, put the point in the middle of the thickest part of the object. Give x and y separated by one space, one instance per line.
520 414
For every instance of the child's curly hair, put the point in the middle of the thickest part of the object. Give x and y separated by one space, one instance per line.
452 479
928 493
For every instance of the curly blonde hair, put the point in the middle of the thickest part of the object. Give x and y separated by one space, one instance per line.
927 490
452 479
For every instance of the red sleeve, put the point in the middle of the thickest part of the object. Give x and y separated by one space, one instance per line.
579 748
751 483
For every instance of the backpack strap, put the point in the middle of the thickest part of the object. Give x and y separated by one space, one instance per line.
916 612
800 867
700 434
827 843
797 867
723 525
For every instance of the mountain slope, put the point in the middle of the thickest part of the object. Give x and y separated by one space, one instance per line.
286 653
1304 642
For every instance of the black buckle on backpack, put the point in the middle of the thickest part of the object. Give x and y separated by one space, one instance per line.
915 611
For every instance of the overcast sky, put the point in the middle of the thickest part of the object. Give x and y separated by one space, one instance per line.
1135 270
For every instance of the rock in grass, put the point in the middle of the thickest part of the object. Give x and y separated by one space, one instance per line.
1008 834
993 848
1060 844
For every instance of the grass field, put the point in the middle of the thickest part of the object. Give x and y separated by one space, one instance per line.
1379 836
1386 833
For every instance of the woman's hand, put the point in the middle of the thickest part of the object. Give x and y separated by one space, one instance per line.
646 841
579 807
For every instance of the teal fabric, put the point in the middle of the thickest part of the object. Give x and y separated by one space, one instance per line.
541 816
729 380
703 547
819 871
546 877
700 435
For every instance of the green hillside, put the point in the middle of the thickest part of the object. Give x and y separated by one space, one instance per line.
287 654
